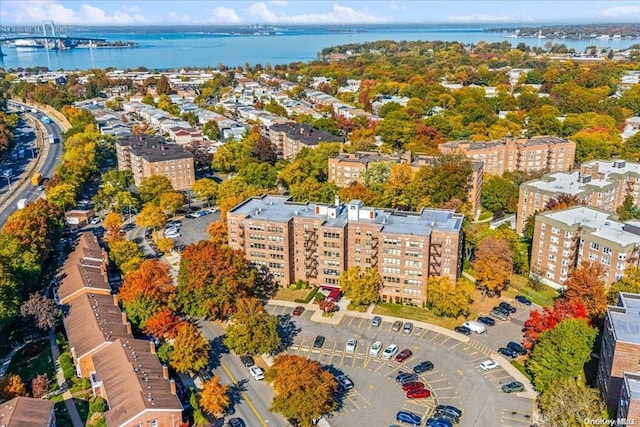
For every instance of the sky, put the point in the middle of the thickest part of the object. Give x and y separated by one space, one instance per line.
289 12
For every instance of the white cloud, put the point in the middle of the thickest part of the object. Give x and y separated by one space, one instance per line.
34 12
337 15
279 2
396 6
621 12
470 19
225 15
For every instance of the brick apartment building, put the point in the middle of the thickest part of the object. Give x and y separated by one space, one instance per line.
123 370
346 168
619 370
147 156
537 154
601 184
290 138
564 239
315 242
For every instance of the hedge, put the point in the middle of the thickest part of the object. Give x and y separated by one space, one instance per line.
309 297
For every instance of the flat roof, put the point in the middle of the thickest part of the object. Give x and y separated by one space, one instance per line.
282 209
153 148
598 221
625 318
559 182
306 134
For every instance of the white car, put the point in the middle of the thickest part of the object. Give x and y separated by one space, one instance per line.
390 351
375 349
256 372
171 233
95 220
488 365
351 345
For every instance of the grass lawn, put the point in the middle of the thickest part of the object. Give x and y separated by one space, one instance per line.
34 359
286 294
485 215
520 367
83 408
62 415
543 297
10 335
415 313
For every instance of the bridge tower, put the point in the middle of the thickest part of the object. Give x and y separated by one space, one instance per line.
52 26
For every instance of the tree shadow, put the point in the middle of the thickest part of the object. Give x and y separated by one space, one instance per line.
218 348
287 330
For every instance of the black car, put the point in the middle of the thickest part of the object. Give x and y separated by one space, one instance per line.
462 330
523 300
403 376
449 408
318 342
423 367
517 348
502 310
247 360
508 307
486 320
449 416
509 352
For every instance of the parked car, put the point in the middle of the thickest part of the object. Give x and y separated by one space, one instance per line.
390 351
447 416
501 309
404 355
397 325
449 408
344 382
408 418
438 422
423 367
523 300
375 349
508 307
488 365
512 387
247 360
376 321
318 342
418 393
462 330
499 314
517 348
298 310
509 352
406 376
175 224
256 372
236 422
351 345
474 326
486 320
412 385
171 233
407 328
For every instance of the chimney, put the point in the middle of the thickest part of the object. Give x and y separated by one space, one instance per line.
152 347
337 200
128 325
115 299
124 318
172 385
165 372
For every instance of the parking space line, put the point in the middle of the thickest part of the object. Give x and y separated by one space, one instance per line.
351 321
434 337
455 345
510 419
361 320
444 342
441 388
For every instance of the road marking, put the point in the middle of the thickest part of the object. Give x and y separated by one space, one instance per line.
459 372
244 395
361 320
444 342
351 321
434 337
455 345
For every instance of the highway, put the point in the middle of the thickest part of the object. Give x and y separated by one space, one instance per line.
21 185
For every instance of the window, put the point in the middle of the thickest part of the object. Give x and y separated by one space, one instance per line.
606 250
595 246
154 423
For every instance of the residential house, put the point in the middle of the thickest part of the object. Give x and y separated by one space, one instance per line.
24 411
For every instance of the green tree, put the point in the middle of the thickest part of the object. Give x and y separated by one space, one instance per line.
151 216
150 189
397 129
126 255
171 202
361 288
252 330
210 130
628 210
9 296
499 194
568 402
190 349
206 189
561 353
303 390
63 195
629 283
163 87
447 299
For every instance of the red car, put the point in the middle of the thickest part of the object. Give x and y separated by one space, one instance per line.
403 355
418 393
413 385
298 310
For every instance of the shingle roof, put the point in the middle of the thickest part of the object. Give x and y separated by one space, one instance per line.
25 412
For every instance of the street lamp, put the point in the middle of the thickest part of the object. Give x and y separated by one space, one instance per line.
9 182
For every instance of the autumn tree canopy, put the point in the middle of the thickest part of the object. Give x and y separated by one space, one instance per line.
584 284
547 318
362 288
448 299
190 349
214 397
252 330
493 264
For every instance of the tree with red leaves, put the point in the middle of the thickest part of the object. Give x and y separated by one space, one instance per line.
584 284
163 324
540 321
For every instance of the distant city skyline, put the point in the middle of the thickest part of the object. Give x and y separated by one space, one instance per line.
301 12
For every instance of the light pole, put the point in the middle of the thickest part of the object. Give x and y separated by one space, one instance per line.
9 182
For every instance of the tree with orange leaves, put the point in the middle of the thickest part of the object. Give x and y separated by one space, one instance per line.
163 324
152 280
584 284
112 223
190 349
211 279
357 191
217 232
11 386
214 397
493 264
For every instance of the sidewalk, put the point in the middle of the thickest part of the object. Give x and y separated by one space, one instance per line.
68 398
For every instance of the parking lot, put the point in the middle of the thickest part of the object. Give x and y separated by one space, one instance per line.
455 380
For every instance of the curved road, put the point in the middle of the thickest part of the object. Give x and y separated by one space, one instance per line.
22 187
